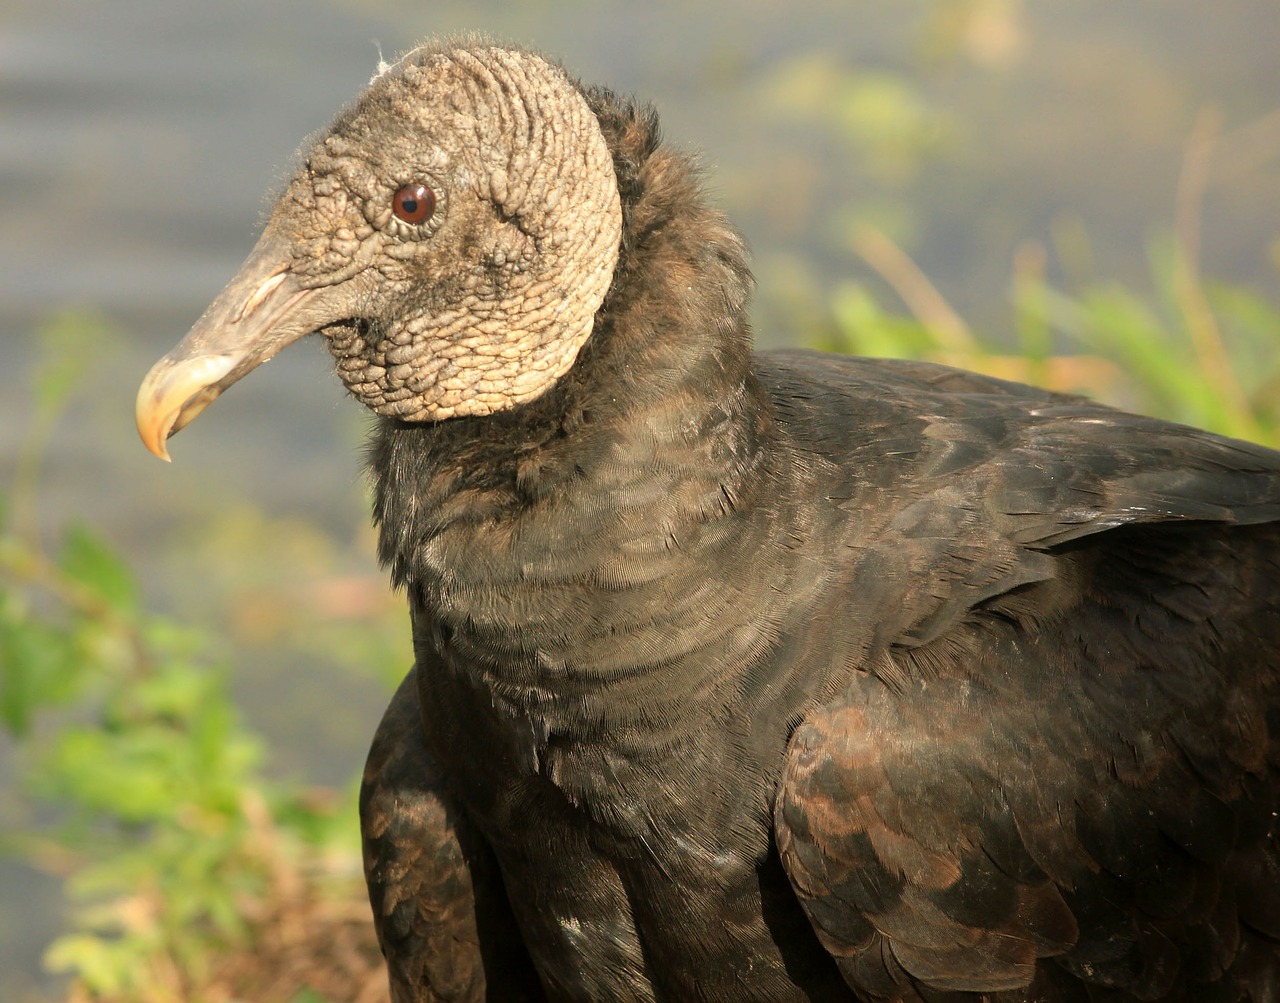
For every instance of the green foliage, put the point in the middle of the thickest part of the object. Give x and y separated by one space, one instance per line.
1205 356
153 767
171 837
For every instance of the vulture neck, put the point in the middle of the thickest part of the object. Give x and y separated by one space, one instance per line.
566 543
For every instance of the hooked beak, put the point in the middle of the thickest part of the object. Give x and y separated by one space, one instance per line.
263 309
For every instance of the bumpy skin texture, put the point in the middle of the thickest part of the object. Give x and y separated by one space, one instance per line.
487 303
771 676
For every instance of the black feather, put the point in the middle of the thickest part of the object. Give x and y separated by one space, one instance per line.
785 676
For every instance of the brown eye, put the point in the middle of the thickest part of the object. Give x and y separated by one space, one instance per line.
414 203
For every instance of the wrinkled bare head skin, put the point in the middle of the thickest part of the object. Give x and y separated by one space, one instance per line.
452 235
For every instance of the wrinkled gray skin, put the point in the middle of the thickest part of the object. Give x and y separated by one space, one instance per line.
477 309
743 676
487 304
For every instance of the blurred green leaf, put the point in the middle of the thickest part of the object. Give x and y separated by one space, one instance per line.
1139 349
87 561
171 838
92 959
863 327
38 666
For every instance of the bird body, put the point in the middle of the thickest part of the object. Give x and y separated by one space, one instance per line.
754 676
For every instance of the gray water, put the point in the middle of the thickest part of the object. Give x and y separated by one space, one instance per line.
137 138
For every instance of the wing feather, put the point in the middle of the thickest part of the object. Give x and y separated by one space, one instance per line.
439 905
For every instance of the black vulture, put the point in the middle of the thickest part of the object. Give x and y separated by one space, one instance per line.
753 675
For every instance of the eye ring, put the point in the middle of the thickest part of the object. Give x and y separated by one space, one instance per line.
414 204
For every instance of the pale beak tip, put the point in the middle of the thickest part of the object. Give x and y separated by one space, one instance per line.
153 424
173 393
154 434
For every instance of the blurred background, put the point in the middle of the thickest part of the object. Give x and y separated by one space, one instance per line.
193 657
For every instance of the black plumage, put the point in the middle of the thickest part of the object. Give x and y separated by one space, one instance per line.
757 676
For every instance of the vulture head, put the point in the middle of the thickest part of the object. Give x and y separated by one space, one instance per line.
451 236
